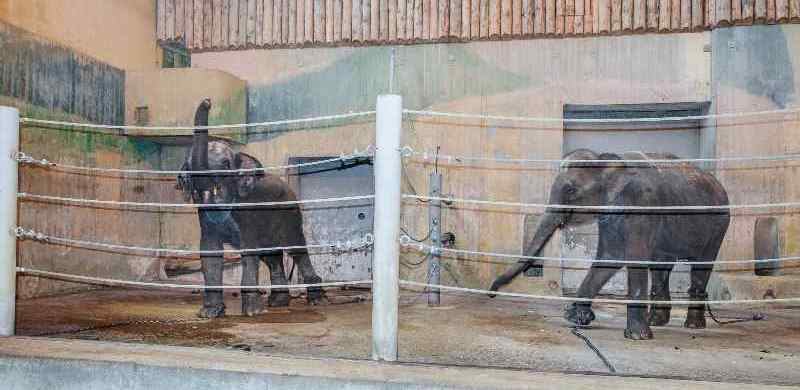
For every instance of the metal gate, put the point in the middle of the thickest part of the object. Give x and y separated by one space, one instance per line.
342 221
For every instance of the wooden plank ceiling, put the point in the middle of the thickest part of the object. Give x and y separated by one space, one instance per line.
215 25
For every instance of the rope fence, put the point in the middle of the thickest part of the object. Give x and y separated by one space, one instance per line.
29 160
324 118
117 282
460 115
410 283
406 242
29 234
427 156
96 202
384 239
603 207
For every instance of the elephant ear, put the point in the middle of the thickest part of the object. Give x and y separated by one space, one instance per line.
245 161
614 176
184 182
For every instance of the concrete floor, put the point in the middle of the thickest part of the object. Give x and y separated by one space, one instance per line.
465 330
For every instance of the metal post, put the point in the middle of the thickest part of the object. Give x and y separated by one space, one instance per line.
385 271
9 145
435 226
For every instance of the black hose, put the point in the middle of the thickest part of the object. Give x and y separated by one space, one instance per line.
754 317
596 351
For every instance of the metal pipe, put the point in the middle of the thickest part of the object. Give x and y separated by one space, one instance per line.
9 145
435 226
385 271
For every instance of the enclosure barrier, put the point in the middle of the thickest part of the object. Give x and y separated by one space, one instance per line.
9 144
386 266
386 239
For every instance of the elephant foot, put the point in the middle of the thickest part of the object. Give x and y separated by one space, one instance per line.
316 296
252 305
695 318
638 330
637 327
495 287
215 311
279 298
659 315
580 315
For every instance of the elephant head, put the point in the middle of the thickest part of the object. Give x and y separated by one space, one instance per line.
246 181
578 183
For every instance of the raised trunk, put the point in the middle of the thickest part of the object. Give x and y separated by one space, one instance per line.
547 226
200 139
199 161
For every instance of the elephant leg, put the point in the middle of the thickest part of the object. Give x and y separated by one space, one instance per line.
701 273
640 240
609 247
278 297
580 313
696 314
251 297
659 291
213 303
303 263
637 328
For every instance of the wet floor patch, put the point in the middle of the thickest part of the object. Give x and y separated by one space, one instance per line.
464 330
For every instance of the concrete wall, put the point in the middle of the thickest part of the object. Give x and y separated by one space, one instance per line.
97 61
81 222
55 77
66 60
118 32
755 69
529 78
172 95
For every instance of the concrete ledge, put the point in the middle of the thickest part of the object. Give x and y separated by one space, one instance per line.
32 364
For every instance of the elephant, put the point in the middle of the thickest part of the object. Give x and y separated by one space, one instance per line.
628 235
267 227
252 227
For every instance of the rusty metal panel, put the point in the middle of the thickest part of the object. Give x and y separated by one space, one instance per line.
340 222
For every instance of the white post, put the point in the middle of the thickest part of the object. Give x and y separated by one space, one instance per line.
385 271
9 145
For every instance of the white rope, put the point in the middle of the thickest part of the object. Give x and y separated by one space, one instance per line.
214 127
27 234
600 300
606 207
25 159
27 196
598 120
118 282
406 241
429 156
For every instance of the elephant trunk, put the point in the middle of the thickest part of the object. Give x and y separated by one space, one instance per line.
551 221
199 153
